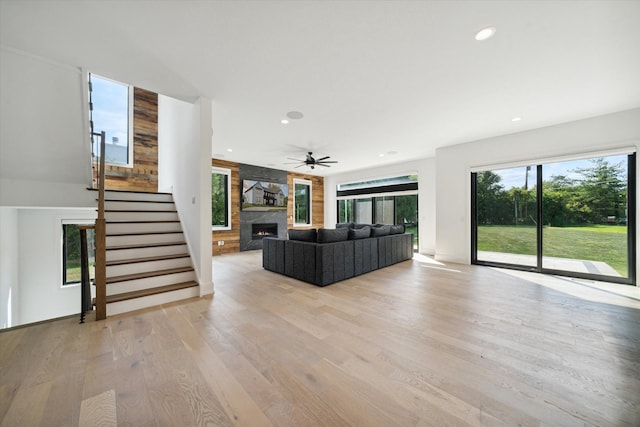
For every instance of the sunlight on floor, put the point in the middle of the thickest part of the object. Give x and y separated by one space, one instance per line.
428 262
591 290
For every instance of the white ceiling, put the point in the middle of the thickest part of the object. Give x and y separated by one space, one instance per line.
371 77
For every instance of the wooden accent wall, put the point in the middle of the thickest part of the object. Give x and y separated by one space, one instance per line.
144 174
317 201
231 237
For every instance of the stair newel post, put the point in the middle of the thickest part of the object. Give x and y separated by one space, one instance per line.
101 252
85 290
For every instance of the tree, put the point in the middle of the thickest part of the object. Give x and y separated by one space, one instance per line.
218 199
493 204
602 190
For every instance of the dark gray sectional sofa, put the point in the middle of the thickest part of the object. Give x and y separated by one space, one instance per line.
328 256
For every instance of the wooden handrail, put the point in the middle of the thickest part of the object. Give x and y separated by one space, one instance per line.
101 237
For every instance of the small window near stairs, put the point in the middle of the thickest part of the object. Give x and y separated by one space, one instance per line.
112 112
71 267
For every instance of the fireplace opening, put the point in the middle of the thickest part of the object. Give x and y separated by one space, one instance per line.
260 231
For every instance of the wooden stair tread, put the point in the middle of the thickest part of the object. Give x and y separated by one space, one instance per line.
142 222
151 291
145 245
137 201
129 191
143 233
146 259
156 273
137 211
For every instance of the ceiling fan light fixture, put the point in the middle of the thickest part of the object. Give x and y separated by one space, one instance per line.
295 115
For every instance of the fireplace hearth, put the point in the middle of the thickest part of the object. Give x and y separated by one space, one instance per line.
260 231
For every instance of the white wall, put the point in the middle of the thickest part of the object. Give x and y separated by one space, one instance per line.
45 152
454 163
184 167
39 235
9 279
425 169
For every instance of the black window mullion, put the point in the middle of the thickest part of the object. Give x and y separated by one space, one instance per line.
539 216
631 217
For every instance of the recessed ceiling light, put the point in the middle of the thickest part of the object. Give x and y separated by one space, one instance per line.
381 155
295 115
229 150
485 33
284 121
516 119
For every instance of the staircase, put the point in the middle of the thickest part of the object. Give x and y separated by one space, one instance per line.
147 258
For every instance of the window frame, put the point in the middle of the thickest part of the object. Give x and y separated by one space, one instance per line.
130 113
309 197
630 279
63 258
229 225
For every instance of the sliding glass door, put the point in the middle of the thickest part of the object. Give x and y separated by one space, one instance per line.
506 216
572 218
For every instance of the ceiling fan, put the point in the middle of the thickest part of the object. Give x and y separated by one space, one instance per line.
312 162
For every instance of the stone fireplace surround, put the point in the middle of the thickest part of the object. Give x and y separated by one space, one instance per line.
248 241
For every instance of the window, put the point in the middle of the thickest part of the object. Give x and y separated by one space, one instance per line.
220 199
381 201
71 266
301 202
112 112
571 217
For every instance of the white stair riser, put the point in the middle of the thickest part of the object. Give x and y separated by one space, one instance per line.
144 239
150 282
139 206
146 267
150 251
142 227
151 300
119 195
141 216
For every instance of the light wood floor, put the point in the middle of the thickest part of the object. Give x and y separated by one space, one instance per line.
415 344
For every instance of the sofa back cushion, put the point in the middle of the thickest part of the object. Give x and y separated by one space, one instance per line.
326 235
360 233
344 225
303 235
397 229
382 230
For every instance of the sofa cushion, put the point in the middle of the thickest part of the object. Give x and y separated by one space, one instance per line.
303 235
326 235
397 229
382 230
359 226
361 233
344 225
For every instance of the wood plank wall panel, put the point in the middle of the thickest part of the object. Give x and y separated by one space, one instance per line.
317 202
231 237
144 174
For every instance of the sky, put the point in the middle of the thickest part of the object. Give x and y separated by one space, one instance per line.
110 110
515 177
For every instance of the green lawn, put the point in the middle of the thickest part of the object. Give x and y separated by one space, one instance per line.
607 243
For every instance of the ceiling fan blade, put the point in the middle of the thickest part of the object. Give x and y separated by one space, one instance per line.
322 164
289 158
299 166
327 161
324 158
